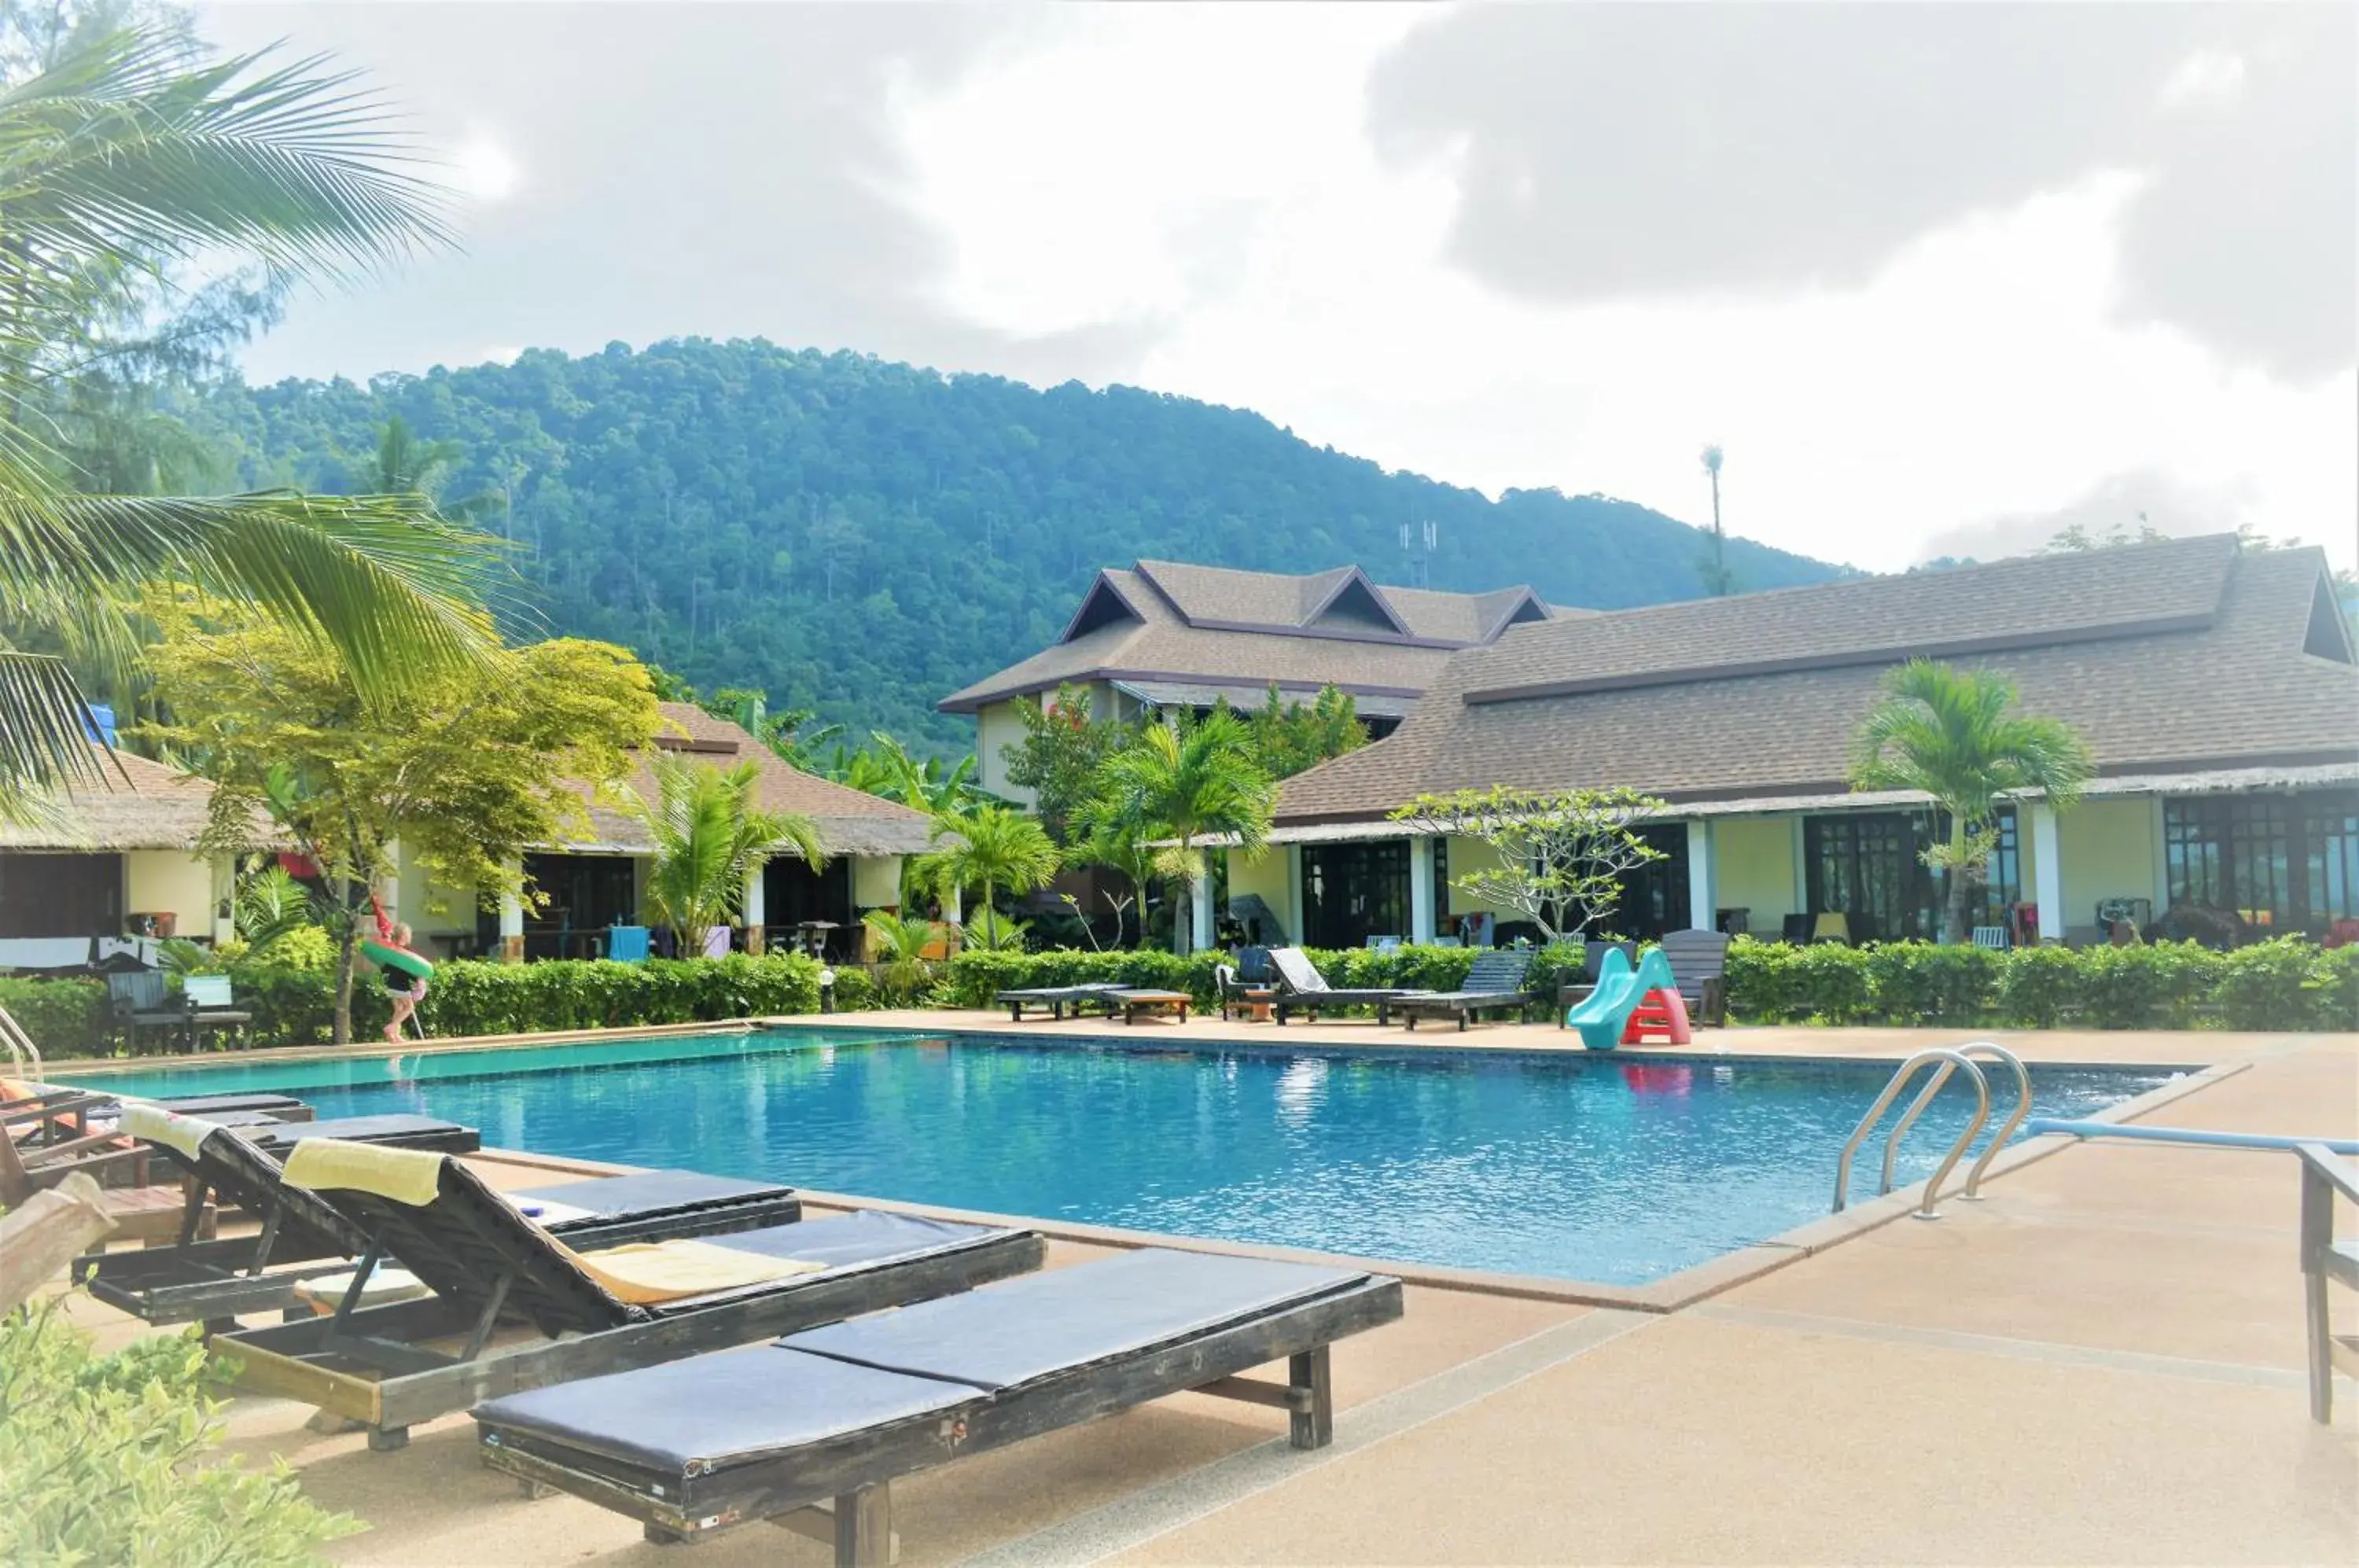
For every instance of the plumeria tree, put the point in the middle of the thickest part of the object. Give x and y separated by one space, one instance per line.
1954 735
1561 857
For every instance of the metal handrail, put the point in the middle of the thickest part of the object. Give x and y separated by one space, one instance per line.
1951 1060
20 1045
2022 1109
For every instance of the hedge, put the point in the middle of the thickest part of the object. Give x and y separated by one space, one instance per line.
975 979
297 1006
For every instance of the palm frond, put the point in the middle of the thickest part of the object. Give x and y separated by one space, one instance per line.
45 730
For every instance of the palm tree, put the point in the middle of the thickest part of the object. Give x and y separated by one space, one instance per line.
900 947
1185 781
992 848
1948 732
126 158
1718 580
710 841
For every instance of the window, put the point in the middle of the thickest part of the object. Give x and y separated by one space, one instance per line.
2278 862
62 895
1655 895
1354 891
1865 866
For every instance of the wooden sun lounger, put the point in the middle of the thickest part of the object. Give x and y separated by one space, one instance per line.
838 1414
1134 1002
484 1261
1302 989
1495 984
213 1282
1054 1000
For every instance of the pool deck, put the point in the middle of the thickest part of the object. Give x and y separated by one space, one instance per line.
2099 1363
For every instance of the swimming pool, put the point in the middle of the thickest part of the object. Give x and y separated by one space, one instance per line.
1561 1164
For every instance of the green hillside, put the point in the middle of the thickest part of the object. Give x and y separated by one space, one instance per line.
860 537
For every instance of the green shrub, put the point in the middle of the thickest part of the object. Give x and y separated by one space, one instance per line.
64 1018
2287 984
1930 982
2039 987
469 997
108 1459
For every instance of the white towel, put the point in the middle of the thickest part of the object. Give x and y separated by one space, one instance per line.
176 1132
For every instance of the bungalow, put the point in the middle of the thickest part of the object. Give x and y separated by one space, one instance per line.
1163 636
592 883
2214 682
108 862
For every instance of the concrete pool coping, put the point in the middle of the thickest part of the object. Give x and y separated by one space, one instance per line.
1669 1294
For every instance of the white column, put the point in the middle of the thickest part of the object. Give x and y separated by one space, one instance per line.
1700 891
1294 894
511 925
756 898
225 884
2047 872
951 908
1201 899
1420 888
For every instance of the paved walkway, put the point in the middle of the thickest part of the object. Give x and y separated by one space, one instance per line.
2099 1363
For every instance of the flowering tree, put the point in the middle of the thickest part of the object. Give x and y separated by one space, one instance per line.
1562 854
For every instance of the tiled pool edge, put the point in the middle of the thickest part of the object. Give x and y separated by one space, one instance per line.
1670 1294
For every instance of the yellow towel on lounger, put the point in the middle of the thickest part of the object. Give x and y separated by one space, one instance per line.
412 1176
649 1273
176 1132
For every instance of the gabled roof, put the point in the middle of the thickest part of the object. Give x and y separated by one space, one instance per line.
1171 622
142 805
850 822
2181 656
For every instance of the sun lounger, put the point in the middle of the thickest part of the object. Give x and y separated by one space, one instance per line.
839 1413
1495 984
623 1303
140 1212
1302 989
1055 999
213 1282
398 1130
1137 1000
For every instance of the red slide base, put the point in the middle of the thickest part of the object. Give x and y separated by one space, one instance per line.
1662 1013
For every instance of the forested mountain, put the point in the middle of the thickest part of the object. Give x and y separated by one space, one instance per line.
860 537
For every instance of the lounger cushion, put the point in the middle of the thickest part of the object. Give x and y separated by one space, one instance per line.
644 1191
727 1408
855 1240
1025 1328
279 1138
739 1407
207 1105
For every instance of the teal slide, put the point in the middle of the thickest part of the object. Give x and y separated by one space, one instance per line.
1604 1014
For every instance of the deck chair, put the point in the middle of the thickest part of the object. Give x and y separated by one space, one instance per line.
140 1212
622 1303
839 1413
212 1005
1495 984
304 1235
1699 961
1302 989
141 999
1054 1000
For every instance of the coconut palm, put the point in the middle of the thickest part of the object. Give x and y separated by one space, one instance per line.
710 839
899 945
1948 732
1178 784
991 847
127 159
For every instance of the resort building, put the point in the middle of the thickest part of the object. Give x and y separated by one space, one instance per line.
2215 684
592 885
107 862
1163 636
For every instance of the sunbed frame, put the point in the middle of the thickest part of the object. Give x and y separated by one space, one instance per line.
211 1282
1054 1000
839 1489
369 1364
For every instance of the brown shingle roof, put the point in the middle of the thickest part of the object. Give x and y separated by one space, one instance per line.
1215 625
143 805
2164 656
850 822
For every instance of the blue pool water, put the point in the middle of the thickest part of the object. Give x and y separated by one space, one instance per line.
1576 1167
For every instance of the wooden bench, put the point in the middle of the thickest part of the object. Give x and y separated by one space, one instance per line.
1134 1002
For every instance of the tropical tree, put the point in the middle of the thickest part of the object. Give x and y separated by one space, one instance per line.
1560 858
711 840
126 159
1718 580
1292 737
1176 784
1950 733
991 847
900 944
1060 757
464 770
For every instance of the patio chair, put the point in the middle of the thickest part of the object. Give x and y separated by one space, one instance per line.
2326 1261
212 1283
1496 984
140 1000
839 1413
1054 1000
211 1005
1993 938
621 1304
140 1212
1699 961
1302 989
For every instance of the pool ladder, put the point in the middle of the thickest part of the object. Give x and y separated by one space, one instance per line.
24 1056
1944 1060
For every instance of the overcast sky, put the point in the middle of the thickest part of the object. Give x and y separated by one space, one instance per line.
1937 278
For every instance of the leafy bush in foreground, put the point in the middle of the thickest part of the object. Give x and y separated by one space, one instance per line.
108 1459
